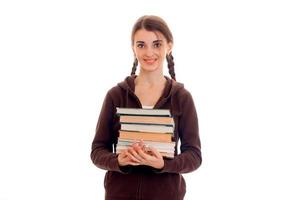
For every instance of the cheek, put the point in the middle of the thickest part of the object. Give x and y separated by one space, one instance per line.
161 52
138 54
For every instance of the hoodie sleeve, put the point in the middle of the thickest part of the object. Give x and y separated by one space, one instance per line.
190 158
101 154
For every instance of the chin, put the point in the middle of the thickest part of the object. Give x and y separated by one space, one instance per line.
150 68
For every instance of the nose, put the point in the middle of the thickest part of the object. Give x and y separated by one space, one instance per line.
149 52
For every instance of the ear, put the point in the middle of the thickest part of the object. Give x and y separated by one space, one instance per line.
169 47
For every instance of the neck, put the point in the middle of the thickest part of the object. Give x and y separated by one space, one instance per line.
150 78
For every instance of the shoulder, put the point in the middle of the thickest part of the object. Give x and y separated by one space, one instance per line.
113 91
181 91
118 94
181 99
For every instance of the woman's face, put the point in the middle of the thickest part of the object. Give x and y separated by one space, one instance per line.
150 49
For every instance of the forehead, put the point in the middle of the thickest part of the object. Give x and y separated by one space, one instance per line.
148 36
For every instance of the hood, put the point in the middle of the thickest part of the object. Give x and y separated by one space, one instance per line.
171 88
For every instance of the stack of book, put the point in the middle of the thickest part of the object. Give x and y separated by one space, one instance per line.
154 126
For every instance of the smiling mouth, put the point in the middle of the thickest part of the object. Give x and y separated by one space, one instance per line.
150 61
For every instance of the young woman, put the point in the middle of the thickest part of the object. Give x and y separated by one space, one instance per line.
136 173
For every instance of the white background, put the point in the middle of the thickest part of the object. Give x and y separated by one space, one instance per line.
239 59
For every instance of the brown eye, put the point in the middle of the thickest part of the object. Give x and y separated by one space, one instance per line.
157 45
140 45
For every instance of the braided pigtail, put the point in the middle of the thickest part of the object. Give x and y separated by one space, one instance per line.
170 61
135 63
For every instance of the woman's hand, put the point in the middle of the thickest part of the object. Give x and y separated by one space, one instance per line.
126 158
148 156
138 154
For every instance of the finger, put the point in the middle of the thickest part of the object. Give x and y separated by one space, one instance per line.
137 147
122 154
141 143
127 161
131 157
135 142
143 155
133 152
154 152
133 163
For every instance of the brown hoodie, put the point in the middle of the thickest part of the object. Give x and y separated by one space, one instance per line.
144 182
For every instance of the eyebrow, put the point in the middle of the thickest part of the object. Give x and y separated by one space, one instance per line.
155 41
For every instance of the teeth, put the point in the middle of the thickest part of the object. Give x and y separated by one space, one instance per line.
149 60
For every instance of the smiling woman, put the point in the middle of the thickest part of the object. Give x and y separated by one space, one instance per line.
158 37
136 173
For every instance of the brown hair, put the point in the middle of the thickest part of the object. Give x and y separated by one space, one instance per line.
154 23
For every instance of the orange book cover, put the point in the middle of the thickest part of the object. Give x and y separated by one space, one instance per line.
158 137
